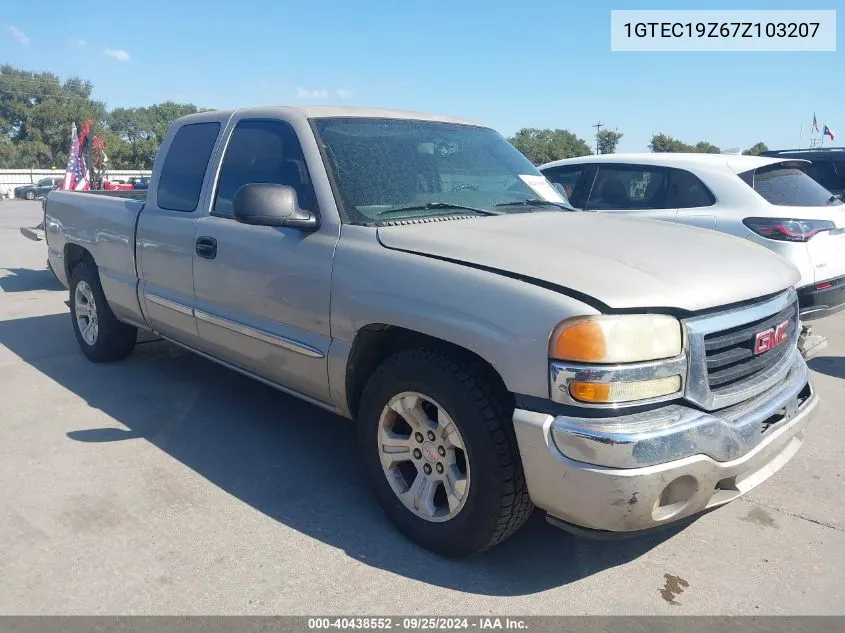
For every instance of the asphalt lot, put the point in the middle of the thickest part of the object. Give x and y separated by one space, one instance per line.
168 485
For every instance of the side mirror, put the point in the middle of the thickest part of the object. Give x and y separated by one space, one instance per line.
263 204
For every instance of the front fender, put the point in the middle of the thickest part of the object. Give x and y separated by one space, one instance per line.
505 321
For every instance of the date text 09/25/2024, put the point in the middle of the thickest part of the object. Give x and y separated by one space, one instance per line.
418 623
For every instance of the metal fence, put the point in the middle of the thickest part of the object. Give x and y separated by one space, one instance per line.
11 178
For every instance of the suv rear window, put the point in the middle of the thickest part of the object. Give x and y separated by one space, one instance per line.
787 186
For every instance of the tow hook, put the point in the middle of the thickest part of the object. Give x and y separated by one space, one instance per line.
810 345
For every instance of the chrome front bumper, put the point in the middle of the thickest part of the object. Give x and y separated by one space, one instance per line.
634 472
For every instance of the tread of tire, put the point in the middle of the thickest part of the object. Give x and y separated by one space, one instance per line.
516 505
119 338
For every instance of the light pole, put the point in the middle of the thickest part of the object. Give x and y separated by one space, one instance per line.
598 127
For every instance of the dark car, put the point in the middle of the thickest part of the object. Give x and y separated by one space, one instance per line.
139 182
828 165
37 190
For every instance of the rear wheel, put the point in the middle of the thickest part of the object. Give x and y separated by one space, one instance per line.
100 335
440 452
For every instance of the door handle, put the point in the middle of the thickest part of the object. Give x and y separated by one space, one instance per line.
206 247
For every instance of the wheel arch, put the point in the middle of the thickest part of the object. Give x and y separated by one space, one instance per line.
375 342
74 254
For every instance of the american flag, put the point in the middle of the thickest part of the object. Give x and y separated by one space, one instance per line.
75 171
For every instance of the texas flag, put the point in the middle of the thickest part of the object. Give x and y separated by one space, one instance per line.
829 132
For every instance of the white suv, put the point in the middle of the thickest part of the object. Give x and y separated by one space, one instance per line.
770 201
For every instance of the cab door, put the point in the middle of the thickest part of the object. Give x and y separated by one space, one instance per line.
694 200
263 293
166 227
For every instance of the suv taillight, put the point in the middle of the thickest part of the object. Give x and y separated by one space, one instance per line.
787 230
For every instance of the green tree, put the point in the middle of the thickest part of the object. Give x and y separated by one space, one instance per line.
607 140
37 111
756 149
664 143
543 146
142 130
703 147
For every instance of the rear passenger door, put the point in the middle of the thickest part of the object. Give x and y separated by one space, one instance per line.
693 199
166 227
262 293
641 190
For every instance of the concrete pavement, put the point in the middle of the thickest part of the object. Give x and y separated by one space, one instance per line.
168 485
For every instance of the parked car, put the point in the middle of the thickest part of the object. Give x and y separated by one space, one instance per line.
767 200
139 182
419 275
827 165
38 190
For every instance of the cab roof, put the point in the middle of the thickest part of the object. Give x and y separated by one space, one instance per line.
326 111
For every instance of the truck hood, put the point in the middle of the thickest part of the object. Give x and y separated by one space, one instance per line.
622 262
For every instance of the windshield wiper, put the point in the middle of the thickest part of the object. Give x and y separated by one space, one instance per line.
439 205
833 200
535 202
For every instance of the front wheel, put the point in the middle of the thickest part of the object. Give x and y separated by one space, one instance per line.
440 452
30 195
100 335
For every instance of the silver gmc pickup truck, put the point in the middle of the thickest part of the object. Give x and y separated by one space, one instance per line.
417 274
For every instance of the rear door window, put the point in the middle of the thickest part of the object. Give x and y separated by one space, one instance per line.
629 187
688 192
784 185
184 167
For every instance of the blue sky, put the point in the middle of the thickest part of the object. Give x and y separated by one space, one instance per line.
534 63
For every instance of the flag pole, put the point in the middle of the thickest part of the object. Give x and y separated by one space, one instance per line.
801 135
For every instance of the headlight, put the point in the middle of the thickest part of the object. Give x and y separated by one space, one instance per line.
617 339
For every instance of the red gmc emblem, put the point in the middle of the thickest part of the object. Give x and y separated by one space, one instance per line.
771 338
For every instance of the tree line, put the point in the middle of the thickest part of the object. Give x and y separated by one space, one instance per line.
545 145
37 110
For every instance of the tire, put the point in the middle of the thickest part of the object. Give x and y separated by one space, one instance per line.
495 501
29 195
109 340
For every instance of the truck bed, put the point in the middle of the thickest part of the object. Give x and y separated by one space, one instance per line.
103 223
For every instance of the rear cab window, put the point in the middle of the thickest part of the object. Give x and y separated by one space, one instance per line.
182 174
787 184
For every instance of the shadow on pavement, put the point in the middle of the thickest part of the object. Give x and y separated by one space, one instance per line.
828 365
294 462
26 279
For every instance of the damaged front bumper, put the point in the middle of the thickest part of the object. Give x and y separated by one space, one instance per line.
635 472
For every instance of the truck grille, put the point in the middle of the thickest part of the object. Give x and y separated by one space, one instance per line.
730 354
723 368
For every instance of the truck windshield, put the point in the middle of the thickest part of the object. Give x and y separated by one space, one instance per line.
392 169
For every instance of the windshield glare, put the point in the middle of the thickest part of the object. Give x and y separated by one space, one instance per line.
383 164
